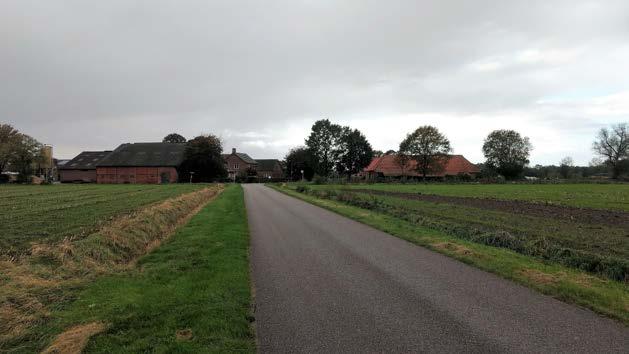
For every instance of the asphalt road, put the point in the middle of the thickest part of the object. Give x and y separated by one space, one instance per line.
324 283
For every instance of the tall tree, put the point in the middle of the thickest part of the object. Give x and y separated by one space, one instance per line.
323 143
203 159
507 152
354 152
565 167
174 138
27 152
299 159
612 145
9 138
428 147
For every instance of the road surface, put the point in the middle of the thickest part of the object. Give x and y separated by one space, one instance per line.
324 283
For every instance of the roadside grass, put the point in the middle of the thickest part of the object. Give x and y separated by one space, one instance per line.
597 196
607 297
51 213
192 294
596 248
49 274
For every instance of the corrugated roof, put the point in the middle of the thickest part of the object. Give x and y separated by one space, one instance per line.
86 160
267 164
145 155
457 164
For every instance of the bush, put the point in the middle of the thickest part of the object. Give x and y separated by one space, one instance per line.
4 178
302 189
319 180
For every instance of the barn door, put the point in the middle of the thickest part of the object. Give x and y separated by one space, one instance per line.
164 177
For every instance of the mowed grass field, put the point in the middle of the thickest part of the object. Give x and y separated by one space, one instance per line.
190 295
124 268
570 241
50 213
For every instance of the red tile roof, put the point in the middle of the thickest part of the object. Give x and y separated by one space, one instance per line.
386 165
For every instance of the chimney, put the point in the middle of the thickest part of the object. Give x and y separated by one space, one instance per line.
233 151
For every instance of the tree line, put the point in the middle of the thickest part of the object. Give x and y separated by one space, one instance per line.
335 150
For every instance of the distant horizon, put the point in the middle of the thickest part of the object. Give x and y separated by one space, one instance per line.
90 75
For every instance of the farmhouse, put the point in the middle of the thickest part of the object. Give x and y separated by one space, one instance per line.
270 169
238 163
82 168
387 166
141 163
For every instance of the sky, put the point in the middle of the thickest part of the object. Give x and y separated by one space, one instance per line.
90 75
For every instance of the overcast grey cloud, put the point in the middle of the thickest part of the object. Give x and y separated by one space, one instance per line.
87 75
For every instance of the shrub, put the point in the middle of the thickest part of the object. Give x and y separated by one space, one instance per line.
302 189
319 180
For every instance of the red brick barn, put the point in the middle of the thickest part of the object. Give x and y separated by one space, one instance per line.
387 166
82 168
149 163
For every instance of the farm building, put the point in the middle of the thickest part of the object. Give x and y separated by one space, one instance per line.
237 163
82 168
270 169
153 163
387 166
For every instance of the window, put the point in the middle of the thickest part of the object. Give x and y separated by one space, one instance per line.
236 166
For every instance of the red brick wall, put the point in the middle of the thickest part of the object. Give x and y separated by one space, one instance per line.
77 175
142 175
235 165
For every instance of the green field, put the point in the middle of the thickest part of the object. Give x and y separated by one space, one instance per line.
196 283
157 277
578 255
50 213
599 196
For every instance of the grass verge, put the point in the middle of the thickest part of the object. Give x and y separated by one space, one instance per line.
192 294
607 297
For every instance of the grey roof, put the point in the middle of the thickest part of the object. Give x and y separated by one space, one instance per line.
246 158
86 160
145 155
268 164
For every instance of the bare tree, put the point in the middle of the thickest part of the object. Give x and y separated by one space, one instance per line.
612 145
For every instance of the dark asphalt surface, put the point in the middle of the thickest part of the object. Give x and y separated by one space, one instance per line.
324 283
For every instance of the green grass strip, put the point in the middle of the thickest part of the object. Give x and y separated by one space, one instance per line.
604 296
196 283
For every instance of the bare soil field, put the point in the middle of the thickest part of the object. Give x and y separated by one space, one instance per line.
586 215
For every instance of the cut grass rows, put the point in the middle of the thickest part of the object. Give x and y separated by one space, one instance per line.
51 272
191 294
50 213
607 297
